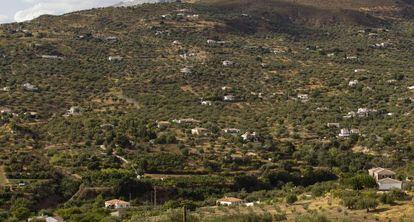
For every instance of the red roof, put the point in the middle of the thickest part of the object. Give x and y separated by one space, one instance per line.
115 201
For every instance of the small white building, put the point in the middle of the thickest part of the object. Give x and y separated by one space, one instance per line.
229 98
355 131
230 201
385 179
51 57
344 133
333 125
5 111
166 16
193 16
351 57
210 41
347 132
379 173
231 130
353 83
381 45
303 97
264 65
228 63
350 115
364 112
248 136
388 184
30 87
206 103
359 70
116 204
163 124
185 70
186 121
115 58
111 38
199 131
74 110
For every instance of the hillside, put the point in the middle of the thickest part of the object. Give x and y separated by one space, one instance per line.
262 100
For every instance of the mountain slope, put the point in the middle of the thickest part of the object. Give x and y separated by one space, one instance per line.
205 100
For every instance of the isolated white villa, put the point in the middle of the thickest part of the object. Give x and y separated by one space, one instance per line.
230 201
385 179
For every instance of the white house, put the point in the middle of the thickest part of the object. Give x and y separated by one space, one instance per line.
199 131
111 38
193 16
385 179
249 136
186 70
229 98
264 65
51 57
359 70
161 124
351 57
210 41
379 173
230 201
355 131
333 125
381 45
166 16
346 132
228 63
387 184
29 87
364 112
206 103
5 111
353 83
186 121
303 97
116 204
74 110
115 58
231 130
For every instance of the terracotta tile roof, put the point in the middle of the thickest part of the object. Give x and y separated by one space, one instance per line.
384 172
115 201
230 199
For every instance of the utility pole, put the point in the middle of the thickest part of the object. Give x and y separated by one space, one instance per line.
185 213
155 196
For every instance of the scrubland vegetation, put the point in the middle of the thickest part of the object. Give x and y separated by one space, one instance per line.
290 73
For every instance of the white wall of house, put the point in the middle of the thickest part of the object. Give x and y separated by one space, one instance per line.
228 203
389 186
